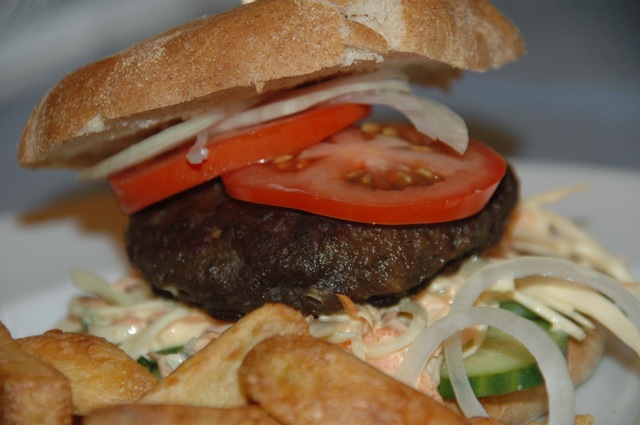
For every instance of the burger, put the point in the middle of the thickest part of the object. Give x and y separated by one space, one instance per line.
245 150
272 71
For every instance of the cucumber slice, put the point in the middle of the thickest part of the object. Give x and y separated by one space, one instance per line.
501 365
152 364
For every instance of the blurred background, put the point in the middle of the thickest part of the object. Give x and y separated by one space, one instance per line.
574 98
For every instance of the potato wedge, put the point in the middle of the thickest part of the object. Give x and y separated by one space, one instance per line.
136 414
100 373
31 392
209 378
304 381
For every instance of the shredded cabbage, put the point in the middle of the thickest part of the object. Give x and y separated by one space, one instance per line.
393 338
96 285
129 315
538 230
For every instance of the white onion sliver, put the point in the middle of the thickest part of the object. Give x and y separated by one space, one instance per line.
293 105
153 145
228 117
141 343
428 116
199 152
549 357
96 285
385 348
321 329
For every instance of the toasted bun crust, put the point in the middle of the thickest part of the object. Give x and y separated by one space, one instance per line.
521 407
257 48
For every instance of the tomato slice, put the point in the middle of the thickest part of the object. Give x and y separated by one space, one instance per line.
383 174
171 173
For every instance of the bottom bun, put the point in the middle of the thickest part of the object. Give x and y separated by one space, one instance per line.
521 407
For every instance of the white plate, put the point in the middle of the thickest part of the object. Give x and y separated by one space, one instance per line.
39 248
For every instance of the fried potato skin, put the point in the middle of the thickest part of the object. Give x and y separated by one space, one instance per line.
304 381
100 373
209 377
136 414
31 392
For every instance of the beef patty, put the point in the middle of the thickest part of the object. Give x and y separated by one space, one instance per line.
230 257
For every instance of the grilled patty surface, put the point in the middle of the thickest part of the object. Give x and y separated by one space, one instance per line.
231 257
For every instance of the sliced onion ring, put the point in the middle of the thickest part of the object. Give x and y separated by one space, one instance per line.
516 269
547 267
241 114
161 142
381 87
385 348
416 357
428 116
550 359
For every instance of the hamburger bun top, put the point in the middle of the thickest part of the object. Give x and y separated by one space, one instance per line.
257 48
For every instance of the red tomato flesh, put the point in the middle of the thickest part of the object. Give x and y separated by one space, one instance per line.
384 174
168 174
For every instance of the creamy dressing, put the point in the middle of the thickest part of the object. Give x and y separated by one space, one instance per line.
128 314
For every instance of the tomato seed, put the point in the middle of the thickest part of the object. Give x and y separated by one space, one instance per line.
366 179
301 163
390 131
354 175
282 159
370 128
403 178
425 172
